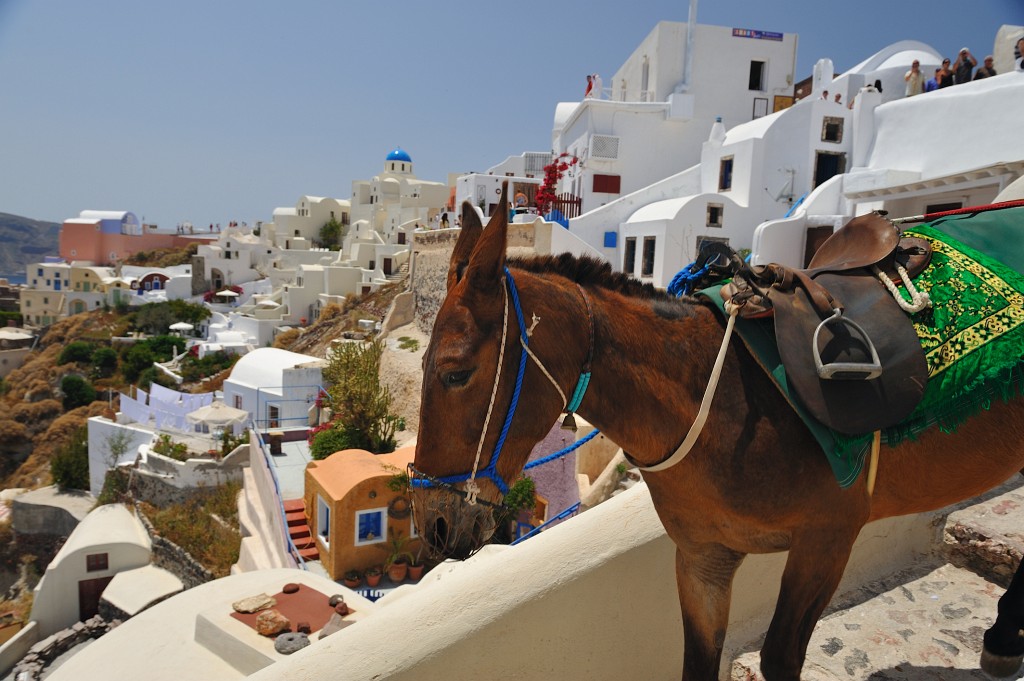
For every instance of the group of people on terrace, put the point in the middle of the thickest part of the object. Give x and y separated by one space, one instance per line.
959 72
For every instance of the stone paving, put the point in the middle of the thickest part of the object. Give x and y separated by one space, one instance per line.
925 623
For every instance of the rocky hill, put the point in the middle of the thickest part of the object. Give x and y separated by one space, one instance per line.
25 241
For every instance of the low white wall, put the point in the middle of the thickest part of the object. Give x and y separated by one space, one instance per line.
264 538
17 647
583 600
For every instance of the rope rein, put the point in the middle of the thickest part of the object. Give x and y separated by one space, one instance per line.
705 405
472 488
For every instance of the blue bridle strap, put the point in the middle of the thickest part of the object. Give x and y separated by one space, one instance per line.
491 470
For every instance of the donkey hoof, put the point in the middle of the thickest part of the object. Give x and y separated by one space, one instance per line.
1000 666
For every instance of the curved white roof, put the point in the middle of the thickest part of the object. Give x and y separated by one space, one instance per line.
901 54
109 524
103 214
563 110
659 210
262 367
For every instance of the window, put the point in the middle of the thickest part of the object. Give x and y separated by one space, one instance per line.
95 562
725 174
323 521
832 129
607 184
715 211
39 272
238 401
943 207
756 81
648 264
371 526
629 255
273 416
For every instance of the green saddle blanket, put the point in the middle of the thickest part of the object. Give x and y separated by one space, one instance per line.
972 337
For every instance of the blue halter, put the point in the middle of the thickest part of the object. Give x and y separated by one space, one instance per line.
491 470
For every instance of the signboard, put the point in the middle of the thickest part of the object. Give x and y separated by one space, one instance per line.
759 35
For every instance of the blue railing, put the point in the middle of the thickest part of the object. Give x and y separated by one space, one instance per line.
537 530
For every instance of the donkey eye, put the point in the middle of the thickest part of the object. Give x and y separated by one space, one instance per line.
454 379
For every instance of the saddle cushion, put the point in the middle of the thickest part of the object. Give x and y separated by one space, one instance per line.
972 338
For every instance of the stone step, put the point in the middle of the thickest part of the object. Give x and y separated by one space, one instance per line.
986 536
924 622
294 505
919 625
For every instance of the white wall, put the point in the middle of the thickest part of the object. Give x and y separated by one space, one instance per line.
100 459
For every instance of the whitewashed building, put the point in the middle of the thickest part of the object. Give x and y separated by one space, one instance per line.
278 388
664 101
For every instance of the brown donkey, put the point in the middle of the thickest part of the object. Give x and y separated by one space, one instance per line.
756 480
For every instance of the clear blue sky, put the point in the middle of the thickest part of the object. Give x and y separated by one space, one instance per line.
219 110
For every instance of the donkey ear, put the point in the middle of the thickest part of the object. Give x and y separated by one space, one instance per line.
487 263
471 230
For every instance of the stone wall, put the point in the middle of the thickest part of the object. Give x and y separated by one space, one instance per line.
174 559
50 648
433 251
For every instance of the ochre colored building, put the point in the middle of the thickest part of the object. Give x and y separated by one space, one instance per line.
351 510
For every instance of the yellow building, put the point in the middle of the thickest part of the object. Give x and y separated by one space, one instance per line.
353 513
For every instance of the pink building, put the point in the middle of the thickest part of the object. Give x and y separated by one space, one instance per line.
104 237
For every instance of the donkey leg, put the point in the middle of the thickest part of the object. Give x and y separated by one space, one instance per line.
1004 645
813 570
704 576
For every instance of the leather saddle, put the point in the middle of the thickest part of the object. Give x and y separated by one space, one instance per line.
851 354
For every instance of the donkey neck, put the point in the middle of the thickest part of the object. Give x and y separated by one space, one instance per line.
653 358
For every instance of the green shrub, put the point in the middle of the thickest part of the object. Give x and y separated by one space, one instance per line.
104 361
361 404
332 440
135 359
76 351
173 450
194 368
69 467
77 391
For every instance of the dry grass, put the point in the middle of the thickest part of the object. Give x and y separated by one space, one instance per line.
205 526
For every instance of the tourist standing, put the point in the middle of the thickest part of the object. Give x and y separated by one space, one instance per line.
933 82
986 71
915 79
945 76
963 67
598 86
590 86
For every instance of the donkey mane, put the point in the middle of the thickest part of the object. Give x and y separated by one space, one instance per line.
589 271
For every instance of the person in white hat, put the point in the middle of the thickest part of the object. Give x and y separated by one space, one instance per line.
963 67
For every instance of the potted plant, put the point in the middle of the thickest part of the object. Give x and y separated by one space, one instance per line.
416 566
397 562
352 579
373 575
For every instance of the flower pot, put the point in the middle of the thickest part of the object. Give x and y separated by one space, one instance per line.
397 572
373 579
351 583
416 571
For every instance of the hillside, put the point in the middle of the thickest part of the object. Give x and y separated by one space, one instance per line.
25 241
